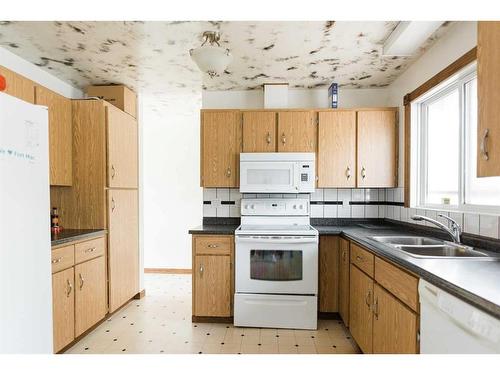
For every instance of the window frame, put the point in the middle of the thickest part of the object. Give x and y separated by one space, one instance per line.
419 108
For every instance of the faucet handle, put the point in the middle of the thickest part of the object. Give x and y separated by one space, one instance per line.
452 221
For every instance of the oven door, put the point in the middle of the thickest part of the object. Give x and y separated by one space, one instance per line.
277 264
269 177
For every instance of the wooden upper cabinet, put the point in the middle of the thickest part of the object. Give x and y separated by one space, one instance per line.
377 148
488 94
63 308
328 291
123 246
259 131
18 86
337 149
220 148
394 325
360 309
122 149
212 284
344 281
297 132
60 135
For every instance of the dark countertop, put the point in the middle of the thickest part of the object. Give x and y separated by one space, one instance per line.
70 235
214 229
474 281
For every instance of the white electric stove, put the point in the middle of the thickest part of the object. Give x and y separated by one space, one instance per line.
276 265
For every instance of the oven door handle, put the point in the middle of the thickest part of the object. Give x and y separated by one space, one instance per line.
279 240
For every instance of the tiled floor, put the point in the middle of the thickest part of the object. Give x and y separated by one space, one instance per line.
161 323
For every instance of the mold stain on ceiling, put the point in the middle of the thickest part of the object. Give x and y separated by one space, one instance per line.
153 57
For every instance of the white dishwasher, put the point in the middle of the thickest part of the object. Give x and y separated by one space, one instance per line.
450 325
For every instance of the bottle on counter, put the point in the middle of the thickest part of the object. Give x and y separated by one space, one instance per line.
54 221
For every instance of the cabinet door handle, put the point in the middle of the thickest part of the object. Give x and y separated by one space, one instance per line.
113 204
212 246
358 258
363 173
228 172
58 260
113 172
69 289
343 256
82 280
484 145
348 173
283 138
268 138
368 298
375 308
201 270
91 250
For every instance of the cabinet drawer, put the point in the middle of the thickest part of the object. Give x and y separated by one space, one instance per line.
213 245
403 285
89 249
363 259
62 258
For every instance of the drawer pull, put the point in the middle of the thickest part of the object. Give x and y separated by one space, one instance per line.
82 280
91 250
58 260
69 289
212 246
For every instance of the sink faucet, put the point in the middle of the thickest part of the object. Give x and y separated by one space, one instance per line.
454 230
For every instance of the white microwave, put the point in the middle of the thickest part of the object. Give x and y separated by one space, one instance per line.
277 172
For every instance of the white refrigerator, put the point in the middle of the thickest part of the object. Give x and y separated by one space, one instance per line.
25 261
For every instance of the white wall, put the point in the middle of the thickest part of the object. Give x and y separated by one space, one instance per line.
36 74
461 38
297 98
171 177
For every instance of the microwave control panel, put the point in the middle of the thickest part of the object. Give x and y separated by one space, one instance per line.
307 173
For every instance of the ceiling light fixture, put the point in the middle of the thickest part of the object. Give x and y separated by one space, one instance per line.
211 59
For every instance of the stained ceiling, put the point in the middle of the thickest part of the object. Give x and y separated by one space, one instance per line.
152 57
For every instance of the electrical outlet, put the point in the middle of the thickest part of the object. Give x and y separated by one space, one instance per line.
216 203
345 203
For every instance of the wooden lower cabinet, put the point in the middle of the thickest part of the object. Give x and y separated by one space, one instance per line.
90 294
212 277
63 308
329 255
360 311
394 326
344 281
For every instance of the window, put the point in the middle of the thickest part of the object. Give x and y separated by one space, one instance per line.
447 148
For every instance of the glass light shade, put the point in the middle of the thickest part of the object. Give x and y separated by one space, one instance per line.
212 60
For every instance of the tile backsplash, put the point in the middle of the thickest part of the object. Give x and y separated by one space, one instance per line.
352 203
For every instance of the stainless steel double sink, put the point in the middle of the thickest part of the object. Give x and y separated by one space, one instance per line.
425 247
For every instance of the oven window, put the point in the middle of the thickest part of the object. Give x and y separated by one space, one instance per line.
276 265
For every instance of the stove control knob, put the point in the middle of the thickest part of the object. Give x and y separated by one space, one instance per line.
294 206
246 206
252 207
301 207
